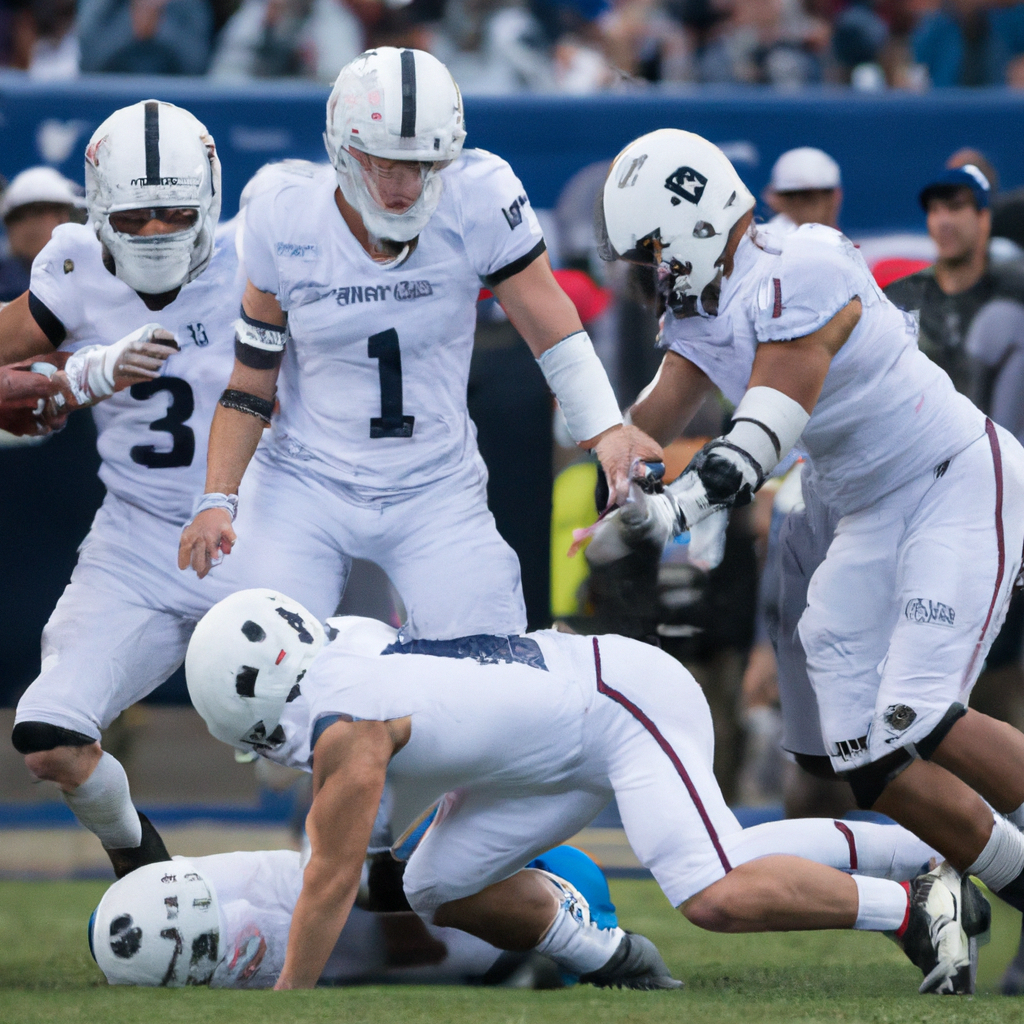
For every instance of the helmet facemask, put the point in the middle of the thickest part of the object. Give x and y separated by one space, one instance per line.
393 105
154 156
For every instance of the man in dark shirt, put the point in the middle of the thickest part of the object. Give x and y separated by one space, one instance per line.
947 296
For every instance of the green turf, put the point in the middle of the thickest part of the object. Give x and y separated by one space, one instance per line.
831 977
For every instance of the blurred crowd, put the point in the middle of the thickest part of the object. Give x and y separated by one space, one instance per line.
503 46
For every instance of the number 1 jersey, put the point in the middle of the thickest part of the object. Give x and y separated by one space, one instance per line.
373 384
152 436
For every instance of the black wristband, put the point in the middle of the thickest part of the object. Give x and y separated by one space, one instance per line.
253 405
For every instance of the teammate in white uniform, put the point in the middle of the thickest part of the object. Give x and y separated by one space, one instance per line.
928 494
526 739
252 896
122 625
375 265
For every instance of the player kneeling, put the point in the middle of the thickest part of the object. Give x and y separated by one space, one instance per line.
525 739
223 921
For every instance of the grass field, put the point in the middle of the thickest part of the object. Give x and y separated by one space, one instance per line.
46 974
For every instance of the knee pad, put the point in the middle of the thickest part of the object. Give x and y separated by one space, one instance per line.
818 765
926 748
868 781
36 737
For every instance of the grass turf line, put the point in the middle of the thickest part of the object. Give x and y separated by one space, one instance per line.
46 974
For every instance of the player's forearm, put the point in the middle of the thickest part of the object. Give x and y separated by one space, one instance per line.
234 437
320 915
671 400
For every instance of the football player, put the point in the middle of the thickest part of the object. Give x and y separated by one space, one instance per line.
236 909
143 295
524 740
925 494
363 277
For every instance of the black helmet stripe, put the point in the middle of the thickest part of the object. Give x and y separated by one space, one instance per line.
408 94
152 143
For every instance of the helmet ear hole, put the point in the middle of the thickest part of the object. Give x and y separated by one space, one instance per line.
253 631
245 681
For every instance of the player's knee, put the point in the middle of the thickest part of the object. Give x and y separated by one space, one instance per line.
55 754
868 782
711 909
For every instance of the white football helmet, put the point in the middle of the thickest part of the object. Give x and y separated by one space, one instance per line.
154 155
159 925
669 202
244 663
396 105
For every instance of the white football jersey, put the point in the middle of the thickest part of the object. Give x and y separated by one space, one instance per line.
886 413
257 892
153 436
373 384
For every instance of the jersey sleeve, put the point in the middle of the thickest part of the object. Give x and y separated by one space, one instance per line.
257 249
818 273
500 229
55 299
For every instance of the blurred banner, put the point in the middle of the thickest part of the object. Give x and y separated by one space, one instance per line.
887 144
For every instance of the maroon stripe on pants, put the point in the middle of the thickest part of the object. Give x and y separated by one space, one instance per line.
621 698
851 841
997 464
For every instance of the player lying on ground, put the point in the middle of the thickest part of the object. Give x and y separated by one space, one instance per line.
235 909
527 739
149 254
927 495
363 278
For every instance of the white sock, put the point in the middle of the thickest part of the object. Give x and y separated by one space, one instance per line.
1016 817
884 851
579 948
104 806
882 904
1002 860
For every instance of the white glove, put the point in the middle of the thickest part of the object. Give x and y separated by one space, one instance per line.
707 541
97 371
645 519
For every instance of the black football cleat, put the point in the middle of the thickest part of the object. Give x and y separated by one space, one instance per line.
636 964
150 851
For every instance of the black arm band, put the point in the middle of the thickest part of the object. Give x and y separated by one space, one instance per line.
48 323
253 405
513 268
257 358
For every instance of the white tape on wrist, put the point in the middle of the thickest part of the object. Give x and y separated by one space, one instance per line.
577 378
228 502
90 371
766 425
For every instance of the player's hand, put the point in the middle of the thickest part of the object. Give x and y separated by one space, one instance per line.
618 451
21 387
97 371
207 537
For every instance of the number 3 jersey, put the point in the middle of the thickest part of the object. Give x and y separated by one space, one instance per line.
152 436
373 383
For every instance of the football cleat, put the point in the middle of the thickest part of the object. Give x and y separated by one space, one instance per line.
150 851
636 964
942 907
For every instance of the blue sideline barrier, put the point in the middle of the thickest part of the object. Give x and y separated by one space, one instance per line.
888 145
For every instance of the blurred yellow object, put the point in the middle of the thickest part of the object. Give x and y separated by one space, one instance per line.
572 508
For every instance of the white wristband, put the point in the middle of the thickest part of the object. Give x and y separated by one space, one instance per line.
577 378
766 425
268 337
228 502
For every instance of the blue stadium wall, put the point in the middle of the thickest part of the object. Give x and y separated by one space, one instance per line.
888 146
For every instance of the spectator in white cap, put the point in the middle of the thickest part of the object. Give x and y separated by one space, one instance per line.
805 188
34 203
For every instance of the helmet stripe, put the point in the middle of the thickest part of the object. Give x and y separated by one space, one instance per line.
408 94
152 143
